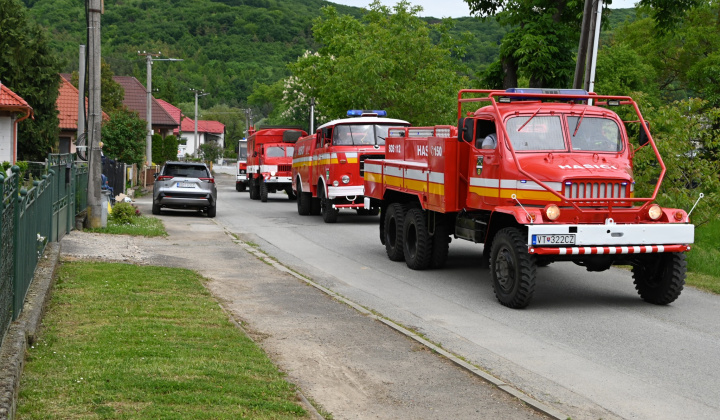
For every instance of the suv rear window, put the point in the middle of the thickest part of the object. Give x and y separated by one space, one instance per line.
189 171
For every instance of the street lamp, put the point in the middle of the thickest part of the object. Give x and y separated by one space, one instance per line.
198 93
149 58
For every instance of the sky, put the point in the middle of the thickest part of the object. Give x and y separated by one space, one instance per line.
451 8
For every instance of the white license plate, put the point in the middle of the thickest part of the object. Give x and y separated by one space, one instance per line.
185 185
553 239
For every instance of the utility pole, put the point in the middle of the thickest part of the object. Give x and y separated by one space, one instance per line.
312 116
197 141
583 46
94 219
81 95
148 104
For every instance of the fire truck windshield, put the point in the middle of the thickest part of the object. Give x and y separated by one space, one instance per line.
595 134
360 134
536 133
279 151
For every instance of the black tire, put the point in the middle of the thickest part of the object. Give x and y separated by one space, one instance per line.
329 214
211 211
155 208
263 191
512 269
417 243
303 201
660 278
394 222
237 186
241 186
314 205
291 195
373 211
440 246
254 189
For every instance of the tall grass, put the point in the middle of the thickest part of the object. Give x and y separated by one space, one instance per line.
704 257
132 342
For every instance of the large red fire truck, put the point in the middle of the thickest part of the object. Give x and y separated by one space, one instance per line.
241 175
536 176
327 167
269 161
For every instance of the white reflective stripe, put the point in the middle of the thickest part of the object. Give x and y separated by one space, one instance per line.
351 154
484 182
302 159
623 250
333 155
373 168
528 185
588 250
415 174
436 177
268 168
393 171
661 248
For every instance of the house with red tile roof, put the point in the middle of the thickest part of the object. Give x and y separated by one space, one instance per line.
136 100
13 109
67 106
207 131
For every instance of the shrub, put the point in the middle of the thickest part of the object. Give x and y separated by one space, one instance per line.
124 213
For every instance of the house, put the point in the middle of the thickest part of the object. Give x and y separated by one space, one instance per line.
208 131
13 109
67 106
136 100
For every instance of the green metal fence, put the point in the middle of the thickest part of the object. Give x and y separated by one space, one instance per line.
32 216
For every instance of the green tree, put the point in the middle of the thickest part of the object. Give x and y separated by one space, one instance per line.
124 137
30 69
387 61
112 93
170 147
211 151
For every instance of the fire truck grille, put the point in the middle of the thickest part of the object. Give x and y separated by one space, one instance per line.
362 161
284 168
595 189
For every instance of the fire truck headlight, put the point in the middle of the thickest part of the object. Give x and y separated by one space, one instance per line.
272 173
345 179
552 212
335 183
654 212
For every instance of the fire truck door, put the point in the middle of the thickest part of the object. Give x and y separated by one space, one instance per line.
485 180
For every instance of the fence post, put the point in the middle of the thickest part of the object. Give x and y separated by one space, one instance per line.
19 200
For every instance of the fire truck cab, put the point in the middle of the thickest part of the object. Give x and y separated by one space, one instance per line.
327 172
536 176
241 174
269 161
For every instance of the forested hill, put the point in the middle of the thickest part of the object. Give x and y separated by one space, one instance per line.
227 45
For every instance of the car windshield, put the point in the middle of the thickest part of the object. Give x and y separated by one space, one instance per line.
536 133
188 171
594 134
279 151
361 134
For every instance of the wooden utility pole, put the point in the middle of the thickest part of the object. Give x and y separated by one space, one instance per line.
94 219
583 46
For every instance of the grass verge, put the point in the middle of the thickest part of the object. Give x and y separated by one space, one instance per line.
121 341
703 268
141 226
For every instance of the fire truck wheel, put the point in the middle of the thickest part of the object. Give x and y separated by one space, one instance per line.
394 222
417 243
329 214
263 191
440 246
303 201
314 205
512 269
290 193
660 278
254 191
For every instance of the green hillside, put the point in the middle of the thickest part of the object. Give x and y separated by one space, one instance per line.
227 45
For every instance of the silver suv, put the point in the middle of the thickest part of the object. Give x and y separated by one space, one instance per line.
184 185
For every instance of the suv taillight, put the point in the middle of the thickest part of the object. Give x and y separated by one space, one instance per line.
165 177
210 180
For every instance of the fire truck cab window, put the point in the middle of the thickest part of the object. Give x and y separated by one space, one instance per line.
276 151
539 132
594 134
353 135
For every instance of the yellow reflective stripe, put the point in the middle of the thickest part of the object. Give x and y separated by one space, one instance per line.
369 176
437 189
393 181
414 185
529 195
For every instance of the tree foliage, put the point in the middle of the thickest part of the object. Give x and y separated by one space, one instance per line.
387 61
164 148
29 68
111 92
124 137
211 151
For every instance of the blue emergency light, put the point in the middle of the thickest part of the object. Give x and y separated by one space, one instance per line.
360 113
542 91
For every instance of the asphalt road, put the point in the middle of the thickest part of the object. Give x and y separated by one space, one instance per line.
587 344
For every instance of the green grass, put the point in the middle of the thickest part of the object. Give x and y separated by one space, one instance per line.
135 342
704 258
141 226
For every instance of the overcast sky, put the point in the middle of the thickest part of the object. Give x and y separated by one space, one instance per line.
451 8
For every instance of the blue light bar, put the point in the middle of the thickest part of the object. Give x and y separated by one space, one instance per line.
367 113
548 91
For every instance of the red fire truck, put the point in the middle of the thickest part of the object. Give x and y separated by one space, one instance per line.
327 168
269 161
536 176
241 175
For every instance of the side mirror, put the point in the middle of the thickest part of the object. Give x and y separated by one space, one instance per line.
466 129
255 153
155 175
644 139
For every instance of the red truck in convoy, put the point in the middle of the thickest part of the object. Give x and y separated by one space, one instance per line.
327 170
241 175
269 161
537 176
